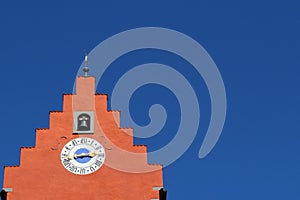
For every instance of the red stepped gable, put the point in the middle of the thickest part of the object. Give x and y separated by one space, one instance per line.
124 173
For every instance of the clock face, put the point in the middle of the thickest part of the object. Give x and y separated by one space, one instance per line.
82 156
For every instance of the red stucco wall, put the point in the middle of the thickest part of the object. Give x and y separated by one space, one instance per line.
41 175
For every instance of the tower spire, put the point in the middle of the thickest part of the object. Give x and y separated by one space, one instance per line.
86 67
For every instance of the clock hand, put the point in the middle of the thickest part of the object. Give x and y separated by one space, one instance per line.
80 155
69 157
90 154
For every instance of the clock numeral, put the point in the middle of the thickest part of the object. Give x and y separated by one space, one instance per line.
73 168
83 140
98 148
92 169
82 171
67 148
66 163
101 154
74 142
98 163
92 142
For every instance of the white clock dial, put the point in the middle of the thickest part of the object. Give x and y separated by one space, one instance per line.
82 156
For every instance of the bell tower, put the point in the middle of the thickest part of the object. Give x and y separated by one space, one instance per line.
84 154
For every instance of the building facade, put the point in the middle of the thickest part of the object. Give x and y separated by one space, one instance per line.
84 154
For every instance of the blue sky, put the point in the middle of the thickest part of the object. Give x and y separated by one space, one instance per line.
256 46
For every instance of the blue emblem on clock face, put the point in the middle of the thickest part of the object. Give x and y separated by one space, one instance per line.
82 155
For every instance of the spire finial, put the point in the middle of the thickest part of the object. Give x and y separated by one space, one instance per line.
86 67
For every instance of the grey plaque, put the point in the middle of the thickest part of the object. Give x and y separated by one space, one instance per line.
83 122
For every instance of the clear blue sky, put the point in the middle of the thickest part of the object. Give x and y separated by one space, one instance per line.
255 44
